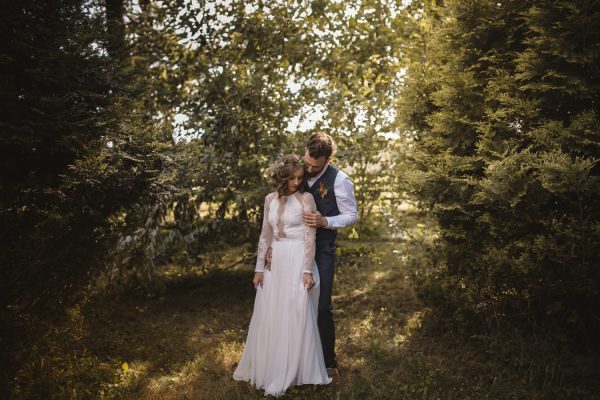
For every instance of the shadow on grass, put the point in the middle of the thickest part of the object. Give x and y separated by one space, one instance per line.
186 344
394 348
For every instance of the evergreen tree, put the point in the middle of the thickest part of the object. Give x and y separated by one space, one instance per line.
504 108
75 156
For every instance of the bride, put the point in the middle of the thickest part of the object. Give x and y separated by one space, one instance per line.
283 346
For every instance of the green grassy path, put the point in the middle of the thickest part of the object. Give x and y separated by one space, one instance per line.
185 344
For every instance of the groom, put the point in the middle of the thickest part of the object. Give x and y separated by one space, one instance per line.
336 208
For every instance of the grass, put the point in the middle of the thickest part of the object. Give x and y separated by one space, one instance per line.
186 343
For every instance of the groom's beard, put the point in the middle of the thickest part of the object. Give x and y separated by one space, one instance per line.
313 174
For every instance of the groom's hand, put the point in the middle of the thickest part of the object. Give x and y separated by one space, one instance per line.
314 219
268 259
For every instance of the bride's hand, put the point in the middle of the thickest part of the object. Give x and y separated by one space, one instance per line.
258 279
308 281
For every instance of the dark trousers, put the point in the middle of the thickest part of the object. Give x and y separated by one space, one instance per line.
325 258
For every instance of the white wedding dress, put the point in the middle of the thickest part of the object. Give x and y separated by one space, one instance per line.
283 346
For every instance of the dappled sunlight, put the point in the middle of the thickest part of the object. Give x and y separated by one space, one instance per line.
195 335
378 318
230 353
413 323
399 339
165 383
129 374
368 285
382 327
209 372
375 321
186 344
141 136
355 363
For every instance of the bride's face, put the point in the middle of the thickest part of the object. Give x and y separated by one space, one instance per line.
295 180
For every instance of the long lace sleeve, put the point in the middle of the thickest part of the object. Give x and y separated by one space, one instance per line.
308 204
266 237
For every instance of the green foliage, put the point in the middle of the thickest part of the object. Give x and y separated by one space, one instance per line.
506 157
52 114
245 71
57 364
136 133
78 158
359 257
388 342
89 158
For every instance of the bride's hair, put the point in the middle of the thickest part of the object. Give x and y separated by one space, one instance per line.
280 171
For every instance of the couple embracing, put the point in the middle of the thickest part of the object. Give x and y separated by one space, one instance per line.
291 337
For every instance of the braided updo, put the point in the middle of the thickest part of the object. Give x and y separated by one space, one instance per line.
280 171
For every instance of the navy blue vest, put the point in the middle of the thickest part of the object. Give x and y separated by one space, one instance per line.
323 192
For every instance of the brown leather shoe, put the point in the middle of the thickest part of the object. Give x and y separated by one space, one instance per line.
334 374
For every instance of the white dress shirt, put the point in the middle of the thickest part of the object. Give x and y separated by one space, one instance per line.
344 196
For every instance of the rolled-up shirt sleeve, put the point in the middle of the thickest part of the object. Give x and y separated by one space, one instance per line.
346 203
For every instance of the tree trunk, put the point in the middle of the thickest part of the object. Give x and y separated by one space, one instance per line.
115 10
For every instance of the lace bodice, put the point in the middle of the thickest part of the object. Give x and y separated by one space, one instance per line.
283 220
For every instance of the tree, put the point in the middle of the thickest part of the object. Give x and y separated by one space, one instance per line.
74 155
506 158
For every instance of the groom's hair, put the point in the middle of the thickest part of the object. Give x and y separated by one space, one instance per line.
320 144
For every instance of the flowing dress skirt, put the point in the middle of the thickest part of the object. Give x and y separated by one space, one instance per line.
283 346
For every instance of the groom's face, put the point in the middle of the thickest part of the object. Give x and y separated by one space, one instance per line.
314 165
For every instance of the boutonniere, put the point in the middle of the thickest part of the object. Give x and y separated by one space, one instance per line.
323 190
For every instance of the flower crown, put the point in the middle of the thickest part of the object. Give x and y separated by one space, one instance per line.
275 170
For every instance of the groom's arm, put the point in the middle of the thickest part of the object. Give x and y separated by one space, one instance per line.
268 259
346 203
